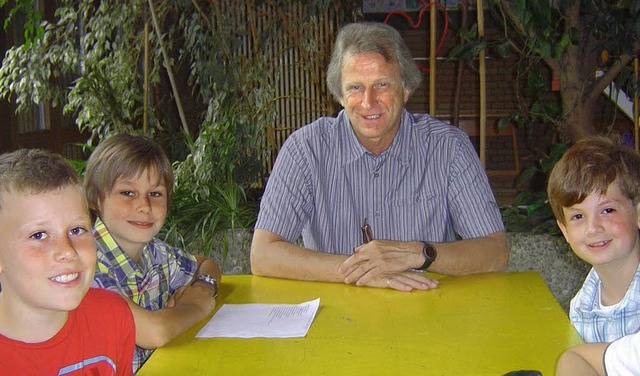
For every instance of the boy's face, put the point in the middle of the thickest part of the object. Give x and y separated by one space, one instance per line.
603 229
135 210
47 251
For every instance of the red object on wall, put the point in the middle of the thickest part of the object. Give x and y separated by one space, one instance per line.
416 25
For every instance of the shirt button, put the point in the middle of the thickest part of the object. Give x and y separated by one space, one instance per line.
376 175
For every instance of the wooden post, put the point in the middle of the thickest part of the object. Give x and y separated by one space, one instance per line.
432 60
635 104
145 89
483 88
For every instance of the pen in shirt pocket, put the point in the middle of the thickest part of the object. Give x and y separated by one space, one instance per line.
367 234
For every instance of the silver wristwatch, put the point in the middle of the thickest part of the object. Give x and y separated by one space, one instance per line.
210 280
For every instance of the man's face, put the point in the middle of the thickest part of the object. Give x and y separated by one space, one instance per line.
47 251
373 96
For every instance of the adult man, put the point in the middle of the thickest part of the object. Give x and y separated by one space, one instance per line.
413 180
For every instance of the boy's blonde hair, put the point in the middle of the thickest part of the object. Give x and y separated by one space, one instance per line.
590 166
124 156
34 171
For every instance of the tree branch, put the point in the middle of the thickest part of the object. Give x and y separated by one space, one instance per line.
519 26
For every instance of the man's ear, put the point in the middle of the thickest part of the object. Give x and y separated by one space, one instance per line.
407 94
563 228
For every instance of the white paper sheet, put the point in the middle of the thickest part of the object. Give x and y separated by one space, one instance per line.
261 320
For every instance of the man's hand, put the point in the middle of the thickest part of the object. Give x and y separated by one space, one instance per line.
377 257
402 281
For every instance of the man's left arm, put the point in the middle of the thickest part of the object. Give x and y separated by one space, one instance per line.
468 256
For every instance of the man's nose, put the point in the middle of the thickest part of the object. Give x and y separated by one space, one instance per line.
368 98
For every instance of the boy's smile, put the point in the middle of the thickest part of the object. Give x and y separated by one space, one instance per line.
48 253
603 229
134 211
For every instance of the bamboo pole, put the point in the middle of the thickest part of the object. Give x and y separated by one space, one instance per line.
145 89
432 60
635 104
483 88
167 65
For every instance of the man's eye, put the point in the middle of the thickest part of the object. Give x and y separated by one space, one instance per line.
41 235
382 85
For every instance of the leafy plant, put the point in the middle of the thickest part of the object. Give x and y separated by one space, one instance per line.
530 211
91 62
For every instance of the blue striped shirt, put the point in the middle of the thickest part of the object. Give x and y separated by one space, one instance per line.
428 185
596 323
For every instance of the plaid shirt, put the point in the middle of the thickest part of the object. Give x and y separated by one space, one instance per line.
596 323
164 269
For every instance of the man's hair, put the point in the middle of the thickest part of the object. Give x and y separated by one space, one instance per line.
590 166
124 156
368 37
35 171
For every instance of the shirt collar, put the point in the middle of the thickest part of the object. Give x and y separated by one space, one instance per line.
115 252
400 149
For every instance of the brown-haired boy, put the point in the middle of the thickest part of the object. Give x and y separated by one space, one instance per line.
129 184
594 191
51 322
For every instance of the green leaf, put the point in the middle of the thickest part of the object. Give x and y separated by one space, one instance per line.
469 51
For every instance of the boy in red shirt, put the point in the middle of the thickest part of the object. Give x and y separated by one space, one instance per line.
51 322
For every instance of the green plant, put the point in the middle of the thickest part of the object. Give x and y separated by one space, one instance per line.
91 62
574 39
194 221
530 211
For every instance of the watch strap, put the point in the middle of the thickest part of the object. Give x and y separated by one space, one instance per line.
210 280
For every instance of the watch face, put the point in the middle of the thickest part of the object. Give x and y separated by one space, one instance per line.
430 251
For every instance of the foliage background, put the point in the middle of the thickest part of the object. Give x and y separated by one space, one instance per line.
95 58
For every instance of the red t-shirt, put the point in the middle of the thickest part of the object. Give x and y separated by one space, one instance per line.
97 339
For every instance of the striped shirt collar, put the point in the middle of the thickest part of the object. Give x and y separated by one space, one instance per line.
400 149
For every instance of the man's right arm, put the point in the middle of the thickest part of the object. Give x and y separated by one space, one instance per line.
274 256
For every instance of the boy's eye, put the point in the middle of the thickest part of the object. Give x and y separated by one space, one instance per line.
576 217
78 231
155 194
40 235
126 193
608 210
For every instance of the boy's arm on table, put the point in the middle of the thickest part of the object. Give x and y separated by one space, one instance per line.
582 360
189 304
206 266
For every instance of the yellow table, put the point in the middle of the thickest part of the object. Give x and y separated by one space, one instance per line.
486 324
